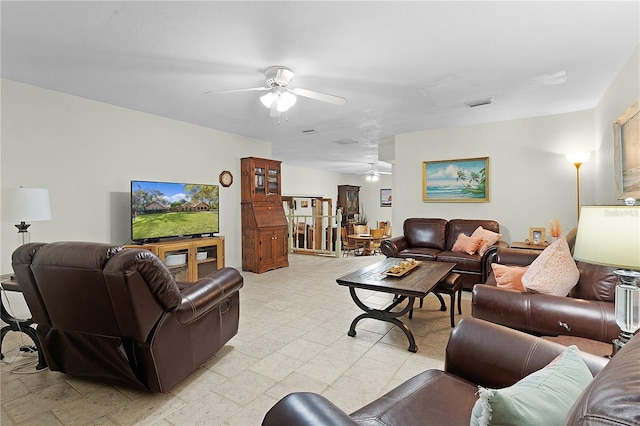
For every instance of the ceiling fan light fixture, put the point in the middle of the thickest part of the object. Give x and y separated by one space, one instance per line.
285 101
267 99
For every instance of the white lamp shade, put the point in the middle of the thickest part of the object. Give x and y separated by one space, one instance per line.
609 235
577 157
25 204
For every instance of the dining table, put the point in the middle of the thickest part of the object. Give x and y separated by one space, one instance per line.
367 240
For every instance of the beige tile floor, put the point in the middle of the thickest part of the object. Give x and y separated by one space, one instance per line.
292 337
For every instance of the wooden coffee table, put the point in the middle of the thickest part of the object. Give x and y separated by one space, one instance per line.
417 283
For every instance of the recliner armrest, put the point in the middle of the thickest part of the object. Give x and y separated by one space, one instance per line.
206 293
392 246
490 257
512 256
544 314
308 409
501 356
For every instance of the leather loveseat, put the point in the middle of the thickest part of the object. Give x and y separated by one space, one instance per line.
114 315
588 311
501 357
433 239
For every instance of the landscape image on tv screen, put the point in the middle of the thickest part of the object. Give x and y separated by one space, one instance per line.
166 209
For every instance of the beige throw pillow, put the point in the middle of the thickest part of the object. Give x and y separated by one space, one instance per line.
466 244
489 238
509 276
553 272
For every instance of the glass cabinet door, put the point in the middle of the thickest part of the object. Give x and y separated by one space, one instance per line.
273 181
259 180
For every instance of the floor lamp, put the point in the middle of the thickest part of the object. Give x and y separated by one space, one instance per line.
577 159
25 204
610 235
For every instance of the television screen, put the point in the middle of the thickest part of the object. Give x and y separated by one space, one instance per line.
167 209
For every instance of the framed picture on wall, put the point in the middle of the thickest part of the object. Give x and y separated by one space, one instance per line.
385 197
626 152
304 204
465 180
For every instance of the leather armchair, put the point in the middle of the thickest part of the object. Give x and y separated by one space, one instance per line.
118 316
501 357
588 311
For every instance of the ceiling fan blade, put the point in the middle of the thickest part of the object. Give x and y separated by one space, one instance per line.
332 99
252 89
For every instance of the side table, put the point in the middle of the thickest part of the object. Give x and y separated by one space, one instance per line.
9 283
525 245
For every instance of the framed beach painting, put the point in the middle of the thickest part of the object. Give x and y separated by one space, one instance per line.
465 180
626 152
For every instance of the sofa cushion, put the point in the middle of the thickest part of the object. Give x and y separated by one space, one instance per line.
489 238
596 282
544 397
419 253
509 276
464 262
553 272
466 244
423 399
456 227
427 233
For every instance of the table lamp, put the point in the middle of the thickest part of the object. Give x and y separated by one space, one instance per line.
610 236
25 204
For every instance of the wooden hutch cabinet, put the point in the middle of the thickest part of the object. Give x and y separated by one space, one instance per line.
349 201
264 224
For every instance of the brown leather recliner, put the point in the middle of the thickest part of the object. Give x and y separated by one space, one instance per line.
588 310
118 316
487 354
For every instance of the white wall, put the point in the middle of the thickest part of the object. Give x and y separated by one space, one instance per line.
622 92
87 152
530 180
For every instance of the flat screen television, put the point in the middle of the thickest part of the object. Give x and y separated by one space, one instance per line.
161 210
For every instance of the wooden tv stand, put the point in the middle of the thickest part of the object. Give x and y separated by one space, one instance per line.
202 256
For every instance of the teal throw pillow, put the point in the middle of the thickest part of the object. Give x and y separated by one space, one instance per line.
543 398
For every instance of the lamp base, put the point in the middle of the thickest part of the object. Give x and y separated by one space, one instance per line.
621 341
23 233
626 276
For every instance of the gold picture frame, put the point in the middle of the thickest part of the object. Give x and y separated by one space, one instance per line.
537 236
463 181
626 152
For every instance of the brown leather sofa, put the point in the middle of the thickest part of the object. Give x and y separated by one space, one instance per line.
588 311
116 315
501 357
433 239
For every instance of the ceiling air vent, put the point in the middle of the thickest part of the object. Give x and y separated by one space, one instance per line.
479 102
310 132
346 142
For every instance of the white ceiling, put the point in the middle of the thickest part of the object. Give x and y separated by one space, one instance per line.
403 66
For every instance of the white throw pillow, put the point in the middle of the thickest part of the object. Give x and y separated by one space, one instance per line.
553 272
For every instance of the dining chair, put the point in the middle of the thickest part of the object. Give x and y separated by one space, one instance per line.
348 244
376 237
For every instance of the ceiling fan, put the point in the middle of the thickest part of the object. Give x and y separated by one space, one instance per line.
373 173
281 97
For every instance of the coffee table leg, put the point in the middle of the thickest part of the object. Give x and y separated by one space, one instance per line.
384 315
